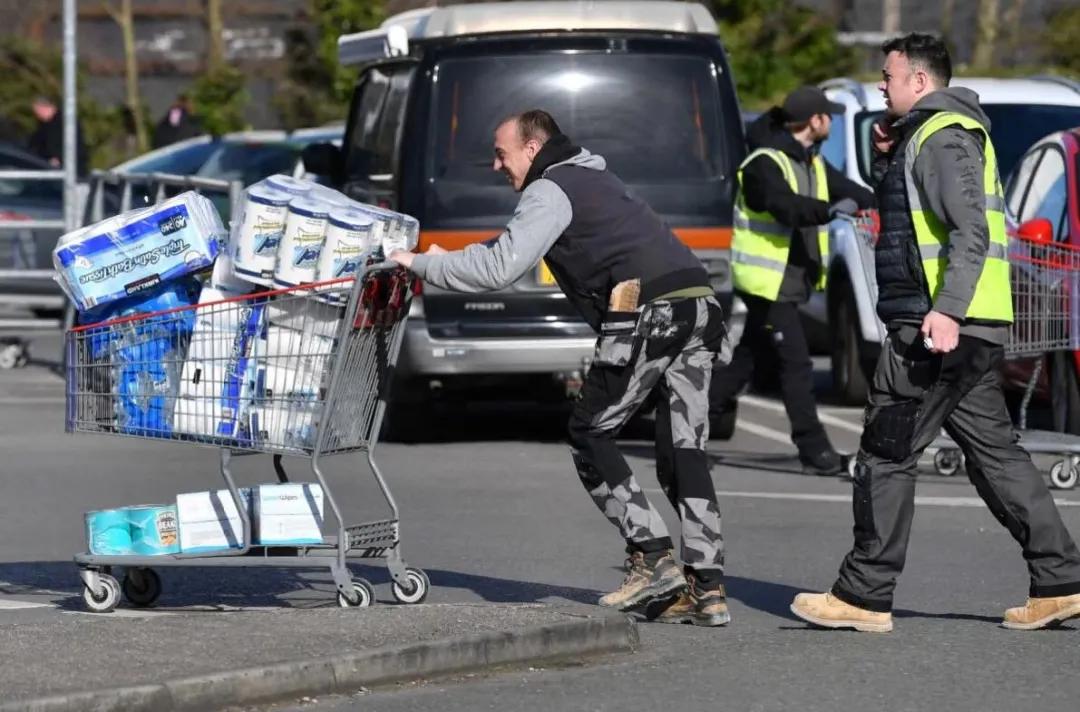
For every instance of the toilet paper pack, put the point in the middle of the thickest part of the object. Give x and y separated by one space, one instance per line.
291 427
309 317
138 250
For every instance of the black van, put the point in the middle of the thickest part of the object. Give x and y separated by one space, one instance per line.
644 84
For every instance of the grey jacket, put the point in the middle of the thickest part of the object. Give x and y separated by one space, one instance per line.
541 216
949 174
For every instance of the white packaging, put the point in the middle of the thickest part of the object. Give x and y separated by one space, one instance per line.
291 427
224 275
307 316
210 521
261 226
287 184
403 234
281 385
301 243
138 250
206 418
349 236
285 348
288 514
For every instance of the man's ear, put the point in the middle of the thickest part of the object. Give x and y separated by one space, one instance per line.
532 146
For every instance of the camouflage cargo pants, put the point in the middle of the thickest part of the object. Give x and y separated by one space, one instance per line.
670 348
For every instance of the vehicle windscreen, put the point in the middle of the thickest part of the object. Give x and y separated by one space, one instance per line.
250 162
655 119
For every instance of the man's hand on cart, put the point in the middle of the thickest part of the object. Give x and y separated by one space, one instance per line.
941 332
405 258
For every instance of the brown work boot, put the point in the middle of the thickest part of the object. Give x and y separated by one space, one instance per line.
828 611
644 583
1042 612
698 606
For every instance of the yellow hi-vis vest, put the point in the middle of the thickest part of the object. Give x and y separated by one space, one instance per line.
993 296
760 245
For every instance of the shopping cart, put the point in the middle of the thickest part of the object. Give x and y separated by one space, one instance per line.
1045 281
302 372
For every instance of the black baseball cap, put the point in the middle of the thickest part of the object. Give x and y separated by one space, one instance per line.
806 101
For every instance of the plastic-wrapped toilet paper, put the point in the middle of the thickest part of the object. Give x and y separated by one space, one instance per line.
258 234
292 427
301 243
307 316
349 236
287 184
138 250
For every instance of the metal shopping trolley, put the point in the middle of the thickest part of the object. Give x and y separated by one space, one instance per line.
302 372
1045 280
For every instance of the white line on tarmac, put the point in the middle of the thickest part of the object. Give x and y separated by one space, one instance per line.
846 498
762 431
20 605
823 417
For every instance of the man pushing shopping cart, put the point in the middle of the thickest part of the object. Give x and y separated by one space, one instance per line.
660 328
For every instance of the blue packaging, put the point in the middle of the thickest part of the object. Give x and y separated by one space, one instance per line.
178 293
138 250
108 532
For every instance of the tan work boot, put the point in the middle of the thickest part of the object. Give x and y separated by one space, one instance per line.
698 606
1042 612
644 583
828 611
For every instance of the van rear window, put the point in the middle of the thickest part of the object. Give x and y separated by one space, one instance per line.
655 118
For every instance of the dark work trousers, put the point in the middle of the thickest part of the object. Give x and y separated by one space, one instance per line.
668 347
913 395
774 328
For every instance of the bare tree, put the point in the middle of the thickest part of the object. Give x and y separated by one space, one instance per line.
215 33
126 20
947 9
986 32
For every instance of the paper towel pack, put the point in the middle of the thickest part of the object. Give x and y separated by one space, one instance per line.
288 514
210 521
138 250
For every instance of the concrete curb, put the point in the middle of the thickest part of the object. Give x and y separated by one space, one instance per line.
345 673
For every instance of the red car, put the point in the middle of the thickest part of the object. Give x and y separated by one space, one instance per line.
1043 205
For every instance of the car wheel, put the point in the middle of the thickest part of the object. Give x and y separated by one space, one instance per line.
1064 393
848 376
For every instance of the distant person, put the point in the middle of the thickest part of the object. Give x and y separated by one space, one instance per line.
178 123
47 140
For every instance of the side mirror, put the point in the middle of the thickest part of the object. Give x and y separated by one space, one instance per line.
323 159
1039 230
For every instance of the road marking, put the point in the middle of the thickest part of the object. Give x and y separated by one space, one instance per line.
20 605
823 417
762 431
846 498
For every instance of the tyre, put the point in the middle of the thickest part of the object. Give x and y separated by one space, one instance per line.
105 599
416 590
1064 393
363 595
1064 475
141 587
947 462
849 379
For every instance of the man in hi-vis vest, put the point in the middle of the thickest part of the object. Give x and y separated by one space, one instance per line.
787 194
944 294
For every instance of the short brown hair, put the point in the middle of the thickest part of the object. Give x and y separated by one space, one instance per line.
534 124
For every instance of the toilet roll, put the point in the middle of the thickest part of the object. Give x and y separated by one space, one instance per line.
301 243
261 226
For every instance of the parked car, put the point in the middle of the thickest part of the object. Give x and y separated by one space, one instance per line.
842 322
23 200
646 85
1042 199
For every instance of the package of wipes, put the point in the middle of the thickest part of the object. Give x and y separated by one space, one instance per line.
138 250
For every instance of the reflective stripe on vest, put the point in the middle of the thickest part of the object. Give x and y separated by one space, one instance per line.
760 245
993 298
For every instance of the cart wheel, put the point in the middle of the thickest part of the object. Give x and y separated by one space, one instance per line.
947 462
416 590
142 589
364 593
105 600
1063 475
10 356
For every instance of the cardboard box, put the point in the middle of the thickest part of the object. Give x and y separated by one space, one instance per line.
209 521
288 514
